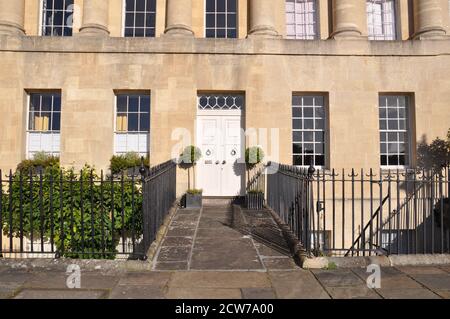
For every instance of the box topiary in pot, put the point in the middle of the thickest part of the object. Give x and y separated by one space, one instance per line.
188 160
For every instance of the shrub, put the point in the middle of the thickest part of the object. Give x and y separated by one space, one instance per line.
85 208
120 163
194 191
40 160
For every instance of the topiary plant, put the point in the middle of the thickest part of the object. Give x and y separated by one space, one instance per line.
253 156
188 159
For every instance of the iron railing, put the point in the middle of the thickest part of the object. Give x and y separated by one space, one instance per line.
159 195
62 213
363 213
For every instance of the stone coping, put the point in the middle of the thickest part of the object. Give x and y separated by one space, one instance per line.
250 46
382 261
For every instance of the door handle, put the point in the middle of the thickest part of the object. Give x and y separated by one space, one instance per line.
217 163
224 162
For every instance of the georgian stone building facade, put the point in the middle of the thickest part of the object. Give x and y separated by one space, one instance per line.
336 84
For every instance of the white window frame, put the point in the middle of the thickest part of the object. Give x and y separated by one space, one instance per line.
55 135
141 135
226 22
325 129
316 20
409 135
124 19
41 20
394 25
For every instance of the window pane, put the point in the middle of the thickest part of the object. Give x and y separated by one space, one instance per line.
56 122
133 104
144 122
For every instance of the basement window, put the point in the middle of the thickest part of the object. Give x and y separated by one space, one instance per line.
132 124
44 123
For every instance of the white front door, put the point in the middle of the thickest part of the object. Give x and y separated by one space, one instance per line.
220 171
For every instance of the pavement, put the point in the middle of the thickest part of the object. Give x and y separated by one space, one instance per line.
221 253
396 283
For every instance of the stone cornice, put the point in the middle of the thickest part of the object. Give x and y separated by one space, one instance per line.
250 46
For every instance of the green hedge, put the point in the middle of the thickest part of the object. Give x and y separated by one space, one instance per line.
120 163
81 197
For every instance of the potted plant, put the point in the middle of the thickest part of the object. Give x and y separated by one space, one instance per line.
128 163
254 200
188 160
255 197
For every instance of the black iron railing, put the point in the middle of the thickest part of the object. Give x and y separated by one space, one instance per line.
62 213
349 213
159 195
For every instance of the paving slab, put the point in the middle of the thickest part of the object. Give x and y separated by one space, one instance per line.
58 280
171 265
203 293
16 276
173 253
434 282
184 223
355 292
154 279
7 290
225 254
338 278
211 222
279 263
266 251
386 272
137 292
443 293
409 293
223 232
445 268
298 284
180 232
420 270
60 294
214 279
258 293
177 241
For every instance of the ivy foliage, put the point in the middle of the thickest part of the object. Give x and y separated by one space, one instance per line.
74 210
